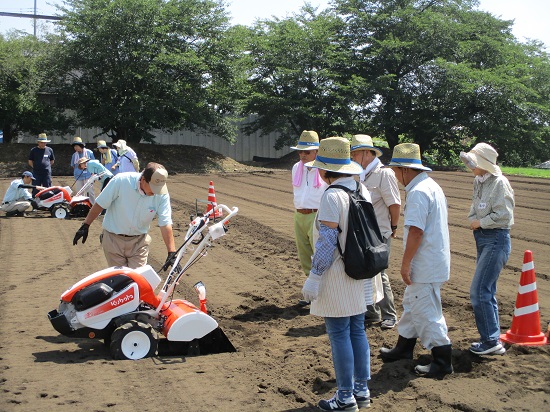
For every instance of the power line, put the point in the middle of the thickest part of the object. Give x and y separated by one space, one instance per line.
30 16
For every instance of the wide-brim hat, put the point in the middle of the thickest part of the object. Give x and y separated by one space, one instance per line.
77 140
43 138
120 144
364 142
83 160
407 155
158 182
333 155
102 144
309 140
482 156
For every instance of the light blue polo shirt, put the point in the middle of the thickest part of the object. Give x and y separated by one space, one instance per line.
15 192
426 208
95 168
129 211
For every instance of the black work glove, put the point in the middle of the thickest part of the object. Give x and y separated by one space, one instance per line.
170 260
81 233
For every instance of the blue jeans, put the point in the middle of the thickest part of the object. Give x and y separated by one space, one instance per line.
493 251
350 350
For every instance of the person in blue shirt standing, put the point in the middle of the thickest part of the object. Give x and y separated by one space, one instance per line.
41 159
108 157
81 176
95 168
132 201
425 266
17 198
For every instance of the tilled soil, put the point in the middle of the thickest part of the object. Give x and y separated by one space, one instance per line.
252 275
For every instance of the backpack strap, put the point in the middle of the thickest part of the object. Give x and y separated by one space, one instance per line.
348 191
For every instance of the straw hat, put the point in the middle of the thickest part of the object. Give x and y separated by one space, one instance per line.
482 156
102 144
43 138
309 140
83 160
333 155
77 140
364 142
407 155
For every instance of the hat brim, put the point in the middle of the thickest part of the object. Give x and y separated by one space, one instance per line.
159 189
304 147
484 164
409 165
365 147
351 168
43 141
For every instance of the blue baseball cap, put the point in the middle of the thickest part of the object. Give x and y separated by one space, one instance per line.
28 174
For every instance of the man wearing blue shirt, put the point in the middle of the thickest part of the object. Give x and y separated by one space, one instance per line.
17 198
95 168
132 200
41 159
425 266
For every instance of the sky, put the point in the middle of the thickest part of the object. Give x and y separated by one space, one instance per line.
531 16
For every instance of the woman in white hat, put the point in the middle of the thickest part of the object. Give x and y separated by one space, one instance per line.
127 158
338 298
108 157
308 187
491 217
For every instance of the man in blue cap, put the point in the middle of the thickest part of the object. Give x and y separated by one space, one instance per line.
17 198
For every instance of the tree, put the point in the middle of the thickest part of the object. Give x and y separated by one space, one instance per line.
132 66
25 104
296 77
443 75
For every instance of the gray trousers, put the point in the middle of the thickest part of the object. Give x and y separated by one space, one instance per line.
384 309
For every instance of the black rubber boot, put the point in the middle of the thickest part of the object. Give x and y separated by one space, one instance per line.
403 350
441 364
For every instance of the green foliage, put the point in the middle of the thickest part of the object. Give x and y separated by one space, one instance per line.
525 171
137 65
25 72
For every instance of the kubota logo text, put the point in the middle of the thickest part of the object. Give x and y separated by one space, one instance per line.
113 303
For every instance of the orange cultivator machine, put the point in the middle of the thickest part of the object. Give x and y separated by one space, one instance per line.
120 306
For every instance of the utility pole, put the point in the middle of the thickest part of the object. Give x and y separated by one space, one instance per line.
35 19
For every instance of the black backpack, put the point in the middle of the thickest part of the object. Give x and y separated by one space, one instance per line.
366 254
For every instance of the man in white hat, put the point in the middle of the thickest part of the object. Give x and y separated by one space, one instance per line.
41 159
386 200
308 188
132 201
81 176
17 198
127 158
425 266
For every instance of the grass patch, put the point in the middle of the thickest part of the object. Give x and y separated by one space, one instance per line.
526 171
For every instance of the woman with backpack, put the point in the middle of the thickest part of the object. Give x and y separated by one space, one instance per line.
335 296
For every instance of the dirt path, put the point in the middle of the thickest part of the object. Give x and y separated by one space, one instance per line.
283 360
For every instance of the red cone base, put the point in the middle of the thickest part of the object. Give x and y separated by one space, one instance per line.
525 328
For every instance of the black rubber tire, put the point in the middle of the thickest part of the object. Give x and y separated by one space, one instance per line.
134 340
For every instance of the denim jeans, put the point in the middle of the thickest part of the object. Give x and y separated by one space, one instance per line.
493 251
350 350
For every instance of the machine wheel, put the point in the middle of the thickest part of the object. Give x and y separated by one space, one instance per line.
134 340
60 211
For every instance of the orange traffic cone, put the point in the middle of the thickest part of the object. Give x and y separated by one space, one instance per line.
212 202
525 328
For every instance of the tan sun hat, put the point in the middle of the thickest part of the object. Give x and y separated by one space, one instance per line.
309 140
407 155
83 160
364 142
158 181
102 144
43 138
77 140
120 144
482 156
333 155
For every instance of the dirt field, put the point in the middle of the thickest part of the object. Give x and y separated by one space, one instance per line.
252 275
